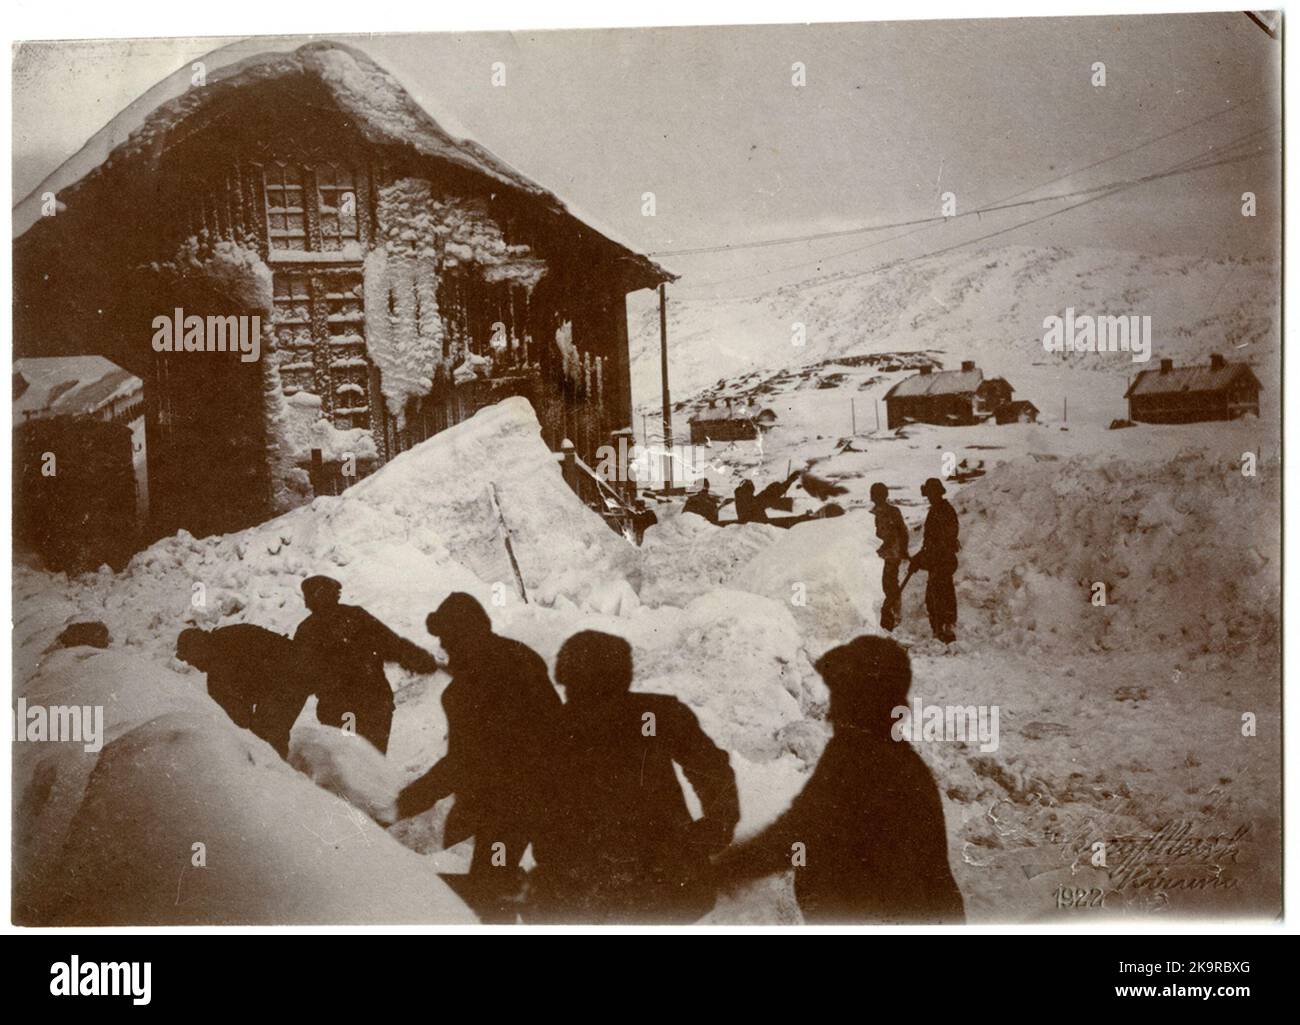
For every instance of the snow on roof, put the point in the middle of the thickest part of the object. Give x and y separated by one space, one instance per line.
944 382
726 409
384 111
1189 379
69 386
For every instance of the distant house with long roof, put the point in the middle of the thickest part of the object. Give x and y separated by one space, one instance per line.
1218 390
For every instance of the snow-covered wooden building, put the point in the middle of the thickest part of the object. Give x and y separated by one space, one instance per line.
729 419
1217 391
403 279
947 397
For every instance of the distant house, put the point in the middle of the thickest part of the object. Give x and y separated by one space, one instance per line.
79 479
75 386
947 397
1022 411
85 387
1168 395
733 420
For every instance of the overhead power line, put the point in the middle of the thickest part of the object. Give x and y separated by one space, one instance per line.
1001 204
1188 166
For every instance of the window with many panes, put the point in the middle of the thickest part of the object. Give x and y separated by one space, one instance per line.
293 332
285 215
337 194
311 208
321 346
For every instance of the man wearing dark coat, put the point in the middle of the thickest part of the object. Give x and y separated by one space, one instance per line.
938 557
253 674
502 750
343 649
621 845
703 503
866 835
891 530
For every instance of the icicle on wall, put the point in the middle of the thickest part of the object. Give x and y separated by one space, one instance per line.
404 328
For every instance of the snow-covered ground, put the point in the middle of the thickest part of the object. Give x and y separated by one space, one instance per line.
1120 723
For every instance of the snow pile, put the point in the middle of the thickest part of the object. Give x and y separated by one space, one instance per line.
685 556
231 270
300 427
1187 549
182 818
826 572
720 633
347 765
400 541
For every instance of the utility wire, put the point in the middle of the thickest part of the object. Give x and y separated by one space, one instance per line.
1185 167
1001 204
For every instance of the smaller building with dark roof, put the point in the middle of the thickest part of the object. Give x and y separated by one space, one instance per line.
946 397
729 420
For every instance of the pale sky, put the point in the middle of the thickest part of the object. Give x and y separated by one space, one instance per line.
892 115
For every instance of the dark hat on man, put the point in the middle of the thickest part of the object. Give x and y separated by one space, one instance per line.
933 486
320 586
458 615
867 678
594 664
193 647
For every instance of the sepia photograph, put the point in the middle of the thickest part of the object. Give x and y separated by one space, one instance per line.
735 476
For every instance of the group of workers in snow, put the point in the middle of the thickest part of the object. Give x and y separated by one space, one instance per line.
590 783
937 557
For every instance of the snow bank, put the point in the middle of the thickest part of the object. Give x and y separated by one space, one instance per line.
1188 551
827 573
684 556
399 541
183 818
349 766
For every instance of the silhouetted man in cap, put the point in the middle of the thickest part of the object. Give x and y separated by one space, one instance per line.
642 520
343 650
502 743
866 834
938 557
703 503
892 532
621 845
253 674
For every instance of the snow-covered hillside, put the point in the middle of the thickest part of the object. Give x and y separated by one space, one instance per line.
987 305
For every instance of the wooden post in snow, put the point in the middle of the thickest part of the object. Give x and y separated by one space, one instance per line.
569 464
853 413
317 474
663 366
495 499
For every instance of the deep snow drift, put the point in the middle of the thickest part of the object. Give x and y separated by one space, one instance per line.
399 541
1105 732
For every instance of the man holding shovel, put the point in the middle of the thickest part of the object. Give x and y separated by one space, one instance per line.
938 557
